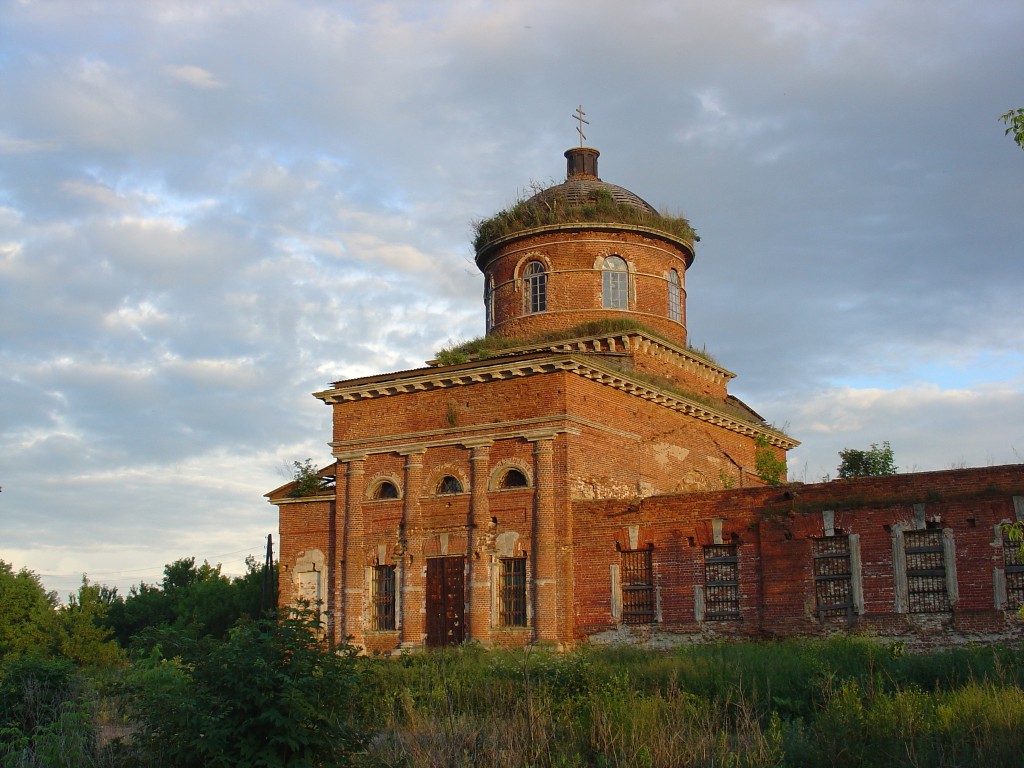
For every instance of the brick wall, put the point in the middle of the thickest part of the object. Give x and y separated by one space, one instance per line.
773 529
574 285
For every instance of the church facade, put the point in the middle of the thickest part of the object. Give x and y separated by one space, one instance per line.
582 473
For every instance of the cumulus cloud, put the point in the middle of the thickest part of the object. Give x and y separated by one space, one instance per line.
208 211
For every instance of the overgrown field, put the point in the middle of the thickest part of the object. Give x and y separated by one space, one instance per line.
196 673
842 702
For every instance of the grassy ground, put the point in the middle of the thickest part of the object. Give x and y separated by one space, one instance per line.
842 702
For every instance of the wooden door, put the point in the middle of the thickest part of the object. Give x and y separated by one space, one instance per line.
446 601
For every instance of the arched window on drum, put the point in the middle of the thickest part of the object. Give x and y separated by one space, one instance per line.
614 283
535 288
675 297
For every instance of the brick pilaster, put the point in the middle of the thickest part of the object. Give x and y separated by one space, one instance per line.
545 597
478 609
413 587
352 555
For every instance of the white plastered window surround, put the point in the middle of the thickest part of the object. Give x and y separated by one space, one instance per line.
521 280
904 594
616 281
309 581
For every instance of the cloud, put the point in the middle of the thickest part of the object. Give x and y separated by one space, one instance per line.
208 211
195 76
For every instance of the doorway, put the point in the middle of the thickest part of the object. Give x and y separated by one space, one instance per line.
446 601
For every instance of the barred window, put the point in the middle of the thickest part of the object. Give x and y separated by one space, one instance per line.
382 598
1013 566
721 582
833 577
675 297
614 283
535 288
512 592
926 571
637 587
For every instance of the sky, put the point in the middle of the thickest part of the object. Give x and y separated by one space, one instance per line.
210 210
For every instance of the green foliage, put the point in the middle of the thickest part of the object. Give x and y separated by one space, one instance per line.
874 462
307 481
29 623
847 701
555 209
47 715
1014 121
272 694
86 638
767 464
197 600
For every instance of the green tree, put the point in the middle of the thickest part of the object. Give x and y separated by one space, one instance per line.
272 694
307 481
196 600
29 623
767 464
1014 121
874 462
85 637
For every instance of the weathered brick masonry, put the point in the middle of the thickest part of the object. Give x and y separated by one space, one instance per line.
598 482
775 532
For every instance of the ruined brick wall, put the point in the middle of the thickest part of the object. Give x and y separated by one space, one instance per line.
775 530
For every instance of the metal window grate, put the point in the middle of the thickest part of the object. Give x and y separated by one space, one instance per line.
382 588
926 571
513 592
637 587
833 584
1013 566
721 582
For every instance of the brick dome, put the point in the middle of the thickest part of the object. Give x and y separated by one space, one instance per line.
581 252
583 186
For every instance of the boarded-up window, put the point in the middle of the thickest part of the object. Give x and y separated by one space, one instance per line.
512 592
637 587
1013 564
833 577
721 582
382 598
926 571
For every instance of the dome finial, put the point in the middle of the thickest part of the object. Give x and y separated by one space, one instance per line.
579 118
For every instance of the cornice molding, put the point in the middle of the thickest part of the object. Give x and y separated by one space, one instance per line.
564 360
415 442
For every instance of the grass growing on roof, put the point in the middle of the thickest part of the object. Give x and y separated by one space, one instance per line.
546 210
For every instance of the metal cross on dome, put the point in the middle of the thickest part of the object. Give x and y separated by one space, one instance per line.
579 128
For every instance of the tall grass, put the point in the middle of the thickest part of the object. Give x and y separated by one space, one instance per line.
842 702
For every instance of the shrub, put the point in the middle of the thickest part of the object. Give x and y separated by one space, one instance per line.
273 694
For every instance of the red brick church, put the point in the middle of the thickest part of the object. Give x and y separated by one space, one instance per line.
581 473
